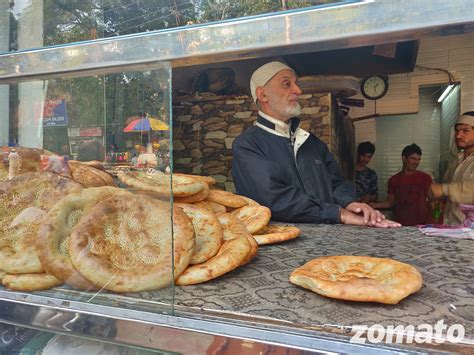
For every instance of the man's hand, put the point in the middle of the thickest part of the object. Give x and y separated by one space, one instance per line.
354 219
436 191
369 215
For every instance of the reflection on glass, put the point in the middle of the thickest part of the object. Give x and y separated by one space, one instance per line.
34 24
71 228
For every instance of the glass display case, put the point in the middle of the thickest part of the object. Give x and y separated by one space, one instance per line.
96 235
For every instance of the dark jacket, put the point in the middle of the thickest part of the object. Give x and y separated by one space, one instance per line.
308 189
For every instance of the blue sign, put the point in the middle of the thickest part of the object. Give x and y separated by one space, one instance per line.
55 113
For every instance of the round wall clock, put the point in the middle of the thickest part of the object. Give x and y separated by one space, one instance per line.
374 87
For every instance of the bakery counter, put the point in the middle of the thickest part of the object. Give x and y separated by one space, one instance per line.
256 302
262 287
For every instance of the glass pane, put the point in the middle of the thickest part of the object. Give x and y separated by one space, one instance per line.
79 157
20 340
35 24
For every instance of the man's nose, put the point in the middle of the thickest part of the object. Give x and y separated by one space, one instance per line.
297 90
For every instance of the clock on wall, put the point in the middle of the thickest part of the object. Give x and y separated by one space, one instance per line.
374 87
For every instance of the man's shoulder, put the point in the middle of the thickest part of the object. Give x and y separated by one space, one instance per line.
371 172
396 180
424 176
249 134
395 176
366 173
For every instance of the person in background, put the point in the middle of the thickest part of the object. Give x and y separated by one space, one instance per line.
407 191
459 186
365 178
287 169
111 152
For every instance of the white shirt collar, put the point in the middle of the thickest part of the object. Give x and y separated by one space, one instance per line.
280 126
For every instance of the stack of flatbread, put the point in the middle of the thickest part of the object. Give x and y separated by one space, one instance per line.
228 227
57 230
24 202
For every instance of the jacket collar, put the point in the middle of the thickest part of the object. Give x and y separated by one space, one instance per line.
277 127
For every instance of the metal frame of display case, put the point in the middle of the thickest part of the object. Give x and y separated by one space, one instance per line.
350 24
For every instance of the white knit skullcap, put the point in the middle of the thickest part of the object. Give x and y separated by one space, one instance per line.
262 75
466 118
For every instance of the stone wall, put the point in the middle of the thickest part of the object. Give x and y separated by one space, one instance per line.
205 126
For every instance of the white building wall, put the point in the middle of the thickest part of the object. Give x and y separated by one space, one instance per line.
452 53
396 132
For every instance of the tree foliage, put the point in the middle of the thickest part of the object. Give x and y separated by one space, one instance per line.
111 99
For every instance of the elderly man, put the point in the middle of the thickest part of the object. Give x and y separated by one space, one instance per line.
460 175
288 169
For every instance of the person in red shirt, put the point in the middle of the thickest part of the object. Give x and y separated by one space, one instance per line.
408 190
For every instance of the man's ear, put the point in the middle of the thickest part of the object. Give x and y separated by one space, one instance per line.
260 92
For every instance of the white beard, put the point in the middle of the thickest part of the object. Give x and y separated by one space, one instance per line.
285 110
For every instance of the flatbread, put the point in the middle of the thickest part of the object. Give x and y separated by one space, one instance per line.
2 275
201 195
94 163
30 282
254 217
226 198
359 278
207 179
232 227
159 183
88 175
232 254
208 231
53 237
23 202
253 250
249 201
124 244
211 206
276 233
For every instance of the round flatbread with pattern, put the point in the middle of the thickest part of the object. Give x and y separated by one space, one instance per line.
226 198
359 278
211 206
160 183
232 227
24 200
253 217
208 231
275 233
207 179
30 282
201 195
53 238
124 244
249 201
232 254
88 175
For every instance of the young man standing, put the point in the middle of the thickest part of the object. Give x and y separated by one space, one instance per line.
459 187
365 178
408 190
